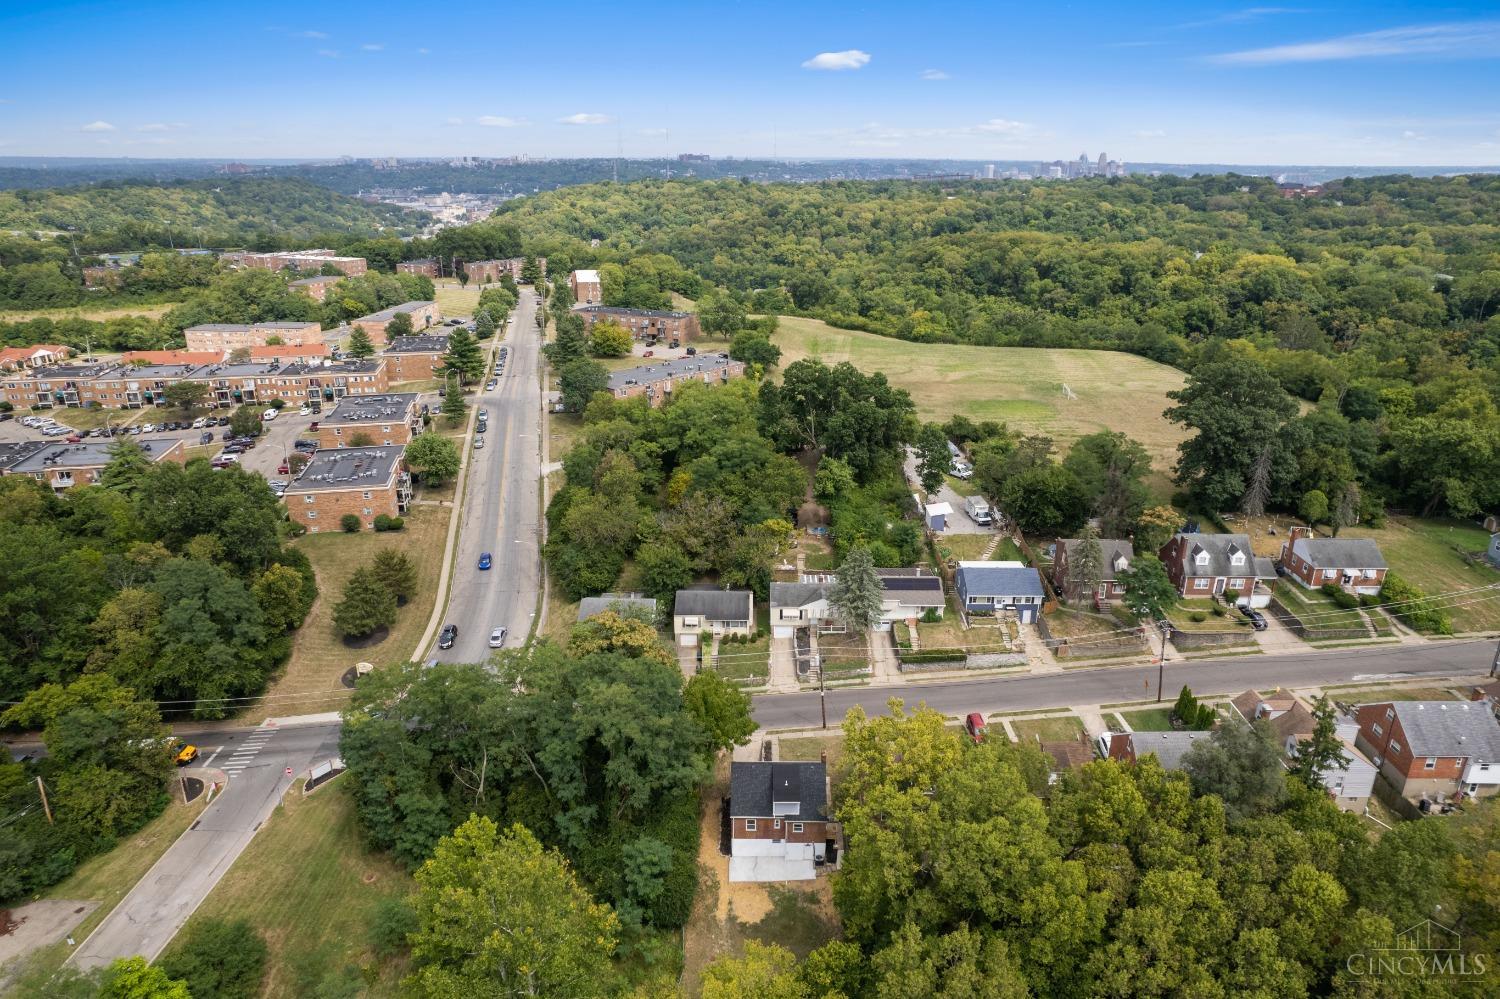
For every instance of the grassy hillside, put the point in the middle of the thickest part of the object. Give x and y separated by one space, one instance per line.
1022 386
222 211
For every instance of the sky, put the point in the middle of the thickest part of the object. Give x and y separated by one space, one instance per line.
1346 83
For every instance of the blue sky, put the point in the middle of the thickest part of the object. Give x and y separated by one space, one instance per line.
1367 83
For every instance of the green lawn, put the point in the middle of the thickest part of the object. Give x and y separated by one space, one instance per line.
92 419
1182 617
1365 695
964 487
309 884
455 300
1149 719
1066 728
969 547
1019 386
1315 608
1426 554
811 747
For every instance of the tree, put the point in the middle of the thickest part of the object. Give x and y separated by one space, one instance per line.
1085 570
1046 500
127 468
133 978
360 439
722 316
186 397
218 959
1111 469
720 708
856 596
1148 588
245 421
665 568
499 915
531 271
396 573
579 380
1346 512
933 458
433 457
609 339
1313 506
754 348
1242 765
1258 492
766 971
1323 751
359 342
454 404
281 593
400 325
484 324
366 605
464 359
570 342
1155 527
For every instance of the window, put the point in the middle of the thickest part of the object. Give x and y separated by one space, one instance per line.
309 499
796 827
1200 584
1431 763
749 825
1395 746
367 494
1378 729
312 515
776 823
1390 713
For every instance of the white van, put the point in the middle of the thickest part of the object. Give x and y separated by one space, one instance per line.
978 510
268 415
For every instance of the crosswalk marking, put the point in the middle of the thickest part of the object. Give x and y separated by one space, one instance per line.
242 757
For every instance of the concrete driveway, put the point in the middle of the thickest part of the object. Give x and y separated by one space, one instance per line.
958 522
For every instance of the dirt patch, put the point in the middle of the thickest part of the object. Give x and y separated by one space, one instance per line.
38 924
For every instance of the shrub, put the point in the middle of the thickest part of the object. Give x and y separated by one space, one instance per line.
931 616
1198 616
1413 610
1330 589
1231 596
1219 610
393 921
219 960
278 404
1347 601
350 522
385 522
1368 600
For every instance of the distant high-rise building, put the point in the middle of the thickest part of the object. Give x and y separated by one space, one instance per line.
1103 163
989 171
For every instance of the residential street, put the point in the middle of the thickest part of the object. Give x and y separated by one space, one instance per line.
256 759
501 508
1116 684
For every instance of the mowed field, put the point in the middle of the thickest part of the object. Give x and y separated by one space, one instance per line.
1019 386
84 312
454 299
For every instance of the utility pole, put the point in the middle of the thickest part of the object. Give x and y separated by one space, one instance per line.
822 693
1161 660
42 790
1495 663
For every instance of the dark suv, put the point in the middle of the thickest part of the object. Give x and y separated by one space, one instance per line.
448 636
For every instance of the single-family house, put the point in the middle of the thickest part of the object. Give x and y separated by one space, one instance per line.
1066 755
1115 557
719 612
1352 564
1206 565
993 587
1432 749
38 355
1168 747
1351 785
909 594
779 829
800 605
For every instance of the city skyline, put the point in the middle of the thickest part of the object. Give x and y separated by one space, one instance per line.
1393 84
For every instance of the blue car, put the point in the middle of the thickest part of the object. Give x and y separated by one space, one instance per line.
484 560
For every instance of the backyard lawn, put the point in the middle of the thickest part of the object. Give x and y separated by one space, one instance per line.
311 887
1426 554
1063 728
812 747
969 547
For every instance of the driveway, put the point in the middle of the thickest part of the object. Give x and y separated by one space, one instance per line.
958 522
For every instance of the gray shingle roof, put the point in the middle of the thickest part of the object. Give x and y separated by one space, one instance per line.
754 787
715 605
995 579
797 594
1221 548
1339 553
590 606
1168 747
1450 728
1110 548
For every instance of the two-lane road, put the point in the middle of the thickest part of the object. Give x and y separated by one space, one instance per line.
502 505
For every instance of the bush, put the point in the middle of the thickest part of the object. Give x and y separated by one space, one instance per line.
934 656
1330 589
931 616
278 404
1347 601
385 522
1198 616
1231 596
1416 613
1368 600
350 522
392 923
219 960
1220 610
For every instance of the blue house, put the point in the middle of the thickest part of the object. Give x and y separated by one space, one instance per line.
990 587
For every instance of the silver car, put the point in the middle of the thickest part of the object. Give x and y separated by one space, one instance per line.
497 638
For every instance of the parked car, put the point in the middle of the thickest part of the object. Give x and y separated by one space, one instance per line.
305 445
268 415
148 428
648 353
1256 618
497 638
448 636
489 386
691 351
976 726
278 486
284 468
207 437
485 561
313 425
675 344
134 431
75 439
225 460
305 411
479 443
200 423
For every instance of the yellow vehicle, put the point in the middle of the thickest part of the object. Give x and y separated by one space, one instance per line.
186 754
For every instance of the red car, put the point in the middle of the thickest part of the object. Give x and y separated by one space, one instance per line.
976 727
284 468
74 439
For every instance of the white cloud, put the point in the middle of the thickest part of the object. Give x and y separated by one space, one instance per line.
312 34
162 126
98 126
1458 39
933 74
1003 126
847 59
372 47
499 121
584 118
329 53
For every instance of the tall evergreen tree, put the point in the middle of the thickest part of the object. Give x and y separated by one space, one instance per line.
359 344
1085 565
1321 752
856 594
464 359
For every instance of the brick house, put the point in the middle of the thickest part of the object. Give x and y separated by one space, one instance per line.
316 288
415 358
779 829
426 267
228 337
63 466
297 260
364 481
1116 556
656 381
1432 749
423 315
646 325
1352 564
391 419
1205 565
586 287
1351 785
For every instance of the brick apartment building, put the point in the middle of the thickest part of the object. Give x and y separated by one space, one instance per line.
390 419
316 288
38 355
489 271
196 357
297 260
423 315
656 381
311 354
226 337
647 325
426 267
364 481
1432 749
54 386
63 466
415 358
232 384
587 288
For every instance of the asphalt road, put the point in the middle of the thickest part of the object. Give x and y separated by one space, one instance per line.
256 760
1117 684
502 508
